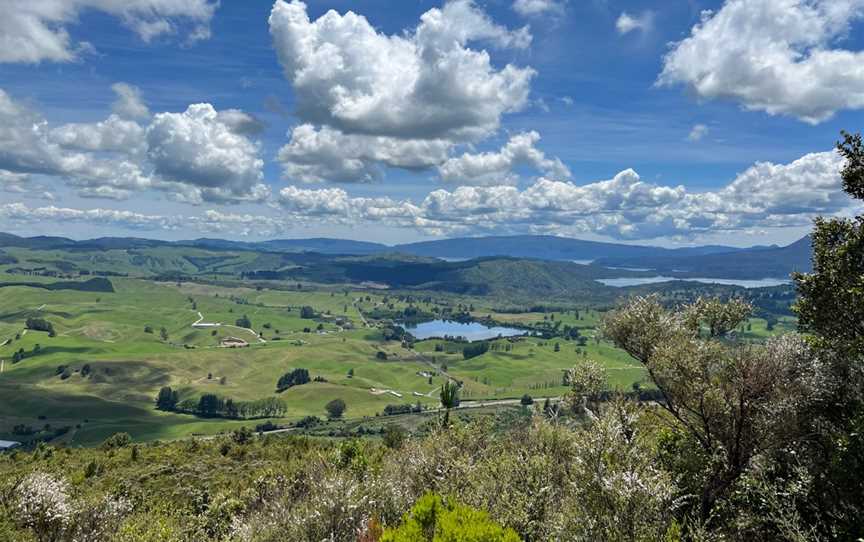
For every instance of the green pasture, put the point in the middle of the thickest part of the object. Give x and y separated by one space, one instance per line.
127 366
105 331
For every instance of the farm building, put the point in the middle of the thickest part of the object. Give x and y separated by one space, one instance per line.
8 445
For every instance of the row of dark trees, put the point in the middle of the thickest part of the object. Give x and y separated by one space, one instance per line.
392 410
472 350
211 405
294 377
41 324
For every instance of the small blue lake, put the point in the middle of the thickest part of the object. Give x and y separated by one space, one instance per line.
638 281
472 331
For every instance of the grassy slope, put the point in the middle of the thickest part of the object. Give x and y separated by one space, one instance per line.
129 366
106 331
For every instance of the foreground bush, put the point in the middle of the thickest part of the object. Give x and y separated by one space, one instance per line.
433 520
597 480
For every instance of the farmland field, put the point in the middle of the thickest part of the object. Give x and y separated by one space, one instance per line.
127 366
128 323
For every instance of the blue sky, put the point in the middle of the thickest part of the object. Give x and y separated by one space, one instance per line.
596 100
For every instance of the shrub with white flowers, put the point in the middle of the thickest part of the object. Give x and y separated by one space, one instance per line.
44 506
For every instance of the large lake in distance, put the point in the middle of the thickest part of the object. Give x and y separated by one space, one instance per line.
472 331
637 281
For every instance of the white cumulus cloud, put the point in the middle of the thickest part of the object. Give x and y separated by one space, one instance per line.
783 57
369 101
326 154
195 156
532 8
423 84
113 134
129 103
627 23
698 132
624 207
197 149
497 167
208 222
766 195
33 31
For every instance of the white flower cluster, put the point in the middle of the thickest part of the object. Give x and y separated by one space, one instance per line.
43 503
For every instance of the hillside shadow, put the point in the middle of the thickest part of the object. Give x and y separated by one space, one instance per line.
50 350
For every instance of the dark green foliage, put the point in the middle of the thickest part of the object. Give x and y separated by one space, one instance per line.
210 405
295 377
266 426
394 436
92 285
449 398
213 406
244 321
472 350
852 149
307 422
39 324
92 469
307 312
167 399
526 400
335 408
831 307
392 410
394 333
241 436
23 430
260 408
380 355
831 300
117 440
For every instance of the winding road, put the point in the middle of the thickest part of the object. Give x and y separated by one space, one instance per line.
198 325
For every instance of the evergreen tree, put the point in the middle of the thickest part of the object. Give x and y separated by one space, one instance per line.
335 409
210 405
167 399
449 399
831 309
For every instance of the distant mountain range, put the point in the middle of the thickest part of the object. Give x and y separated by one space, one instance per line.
751 263
703 261
544 247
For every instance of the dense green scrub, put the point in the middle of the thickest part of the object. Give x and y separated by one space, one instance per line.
537 479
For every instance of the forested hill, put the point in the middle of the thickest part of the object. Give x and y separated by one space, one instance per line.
545 247
754 263
694 262
319 245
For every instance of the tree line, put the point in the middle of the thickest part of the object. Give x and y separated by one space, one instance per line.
210 405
